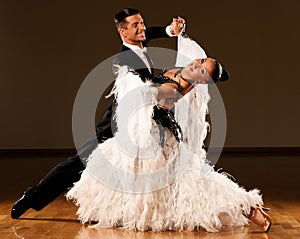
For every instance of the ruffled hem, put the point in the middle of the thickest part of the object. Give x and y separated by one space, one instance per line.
199 197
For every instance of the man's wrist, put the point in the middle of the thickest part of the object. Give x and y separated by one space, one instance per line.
170 32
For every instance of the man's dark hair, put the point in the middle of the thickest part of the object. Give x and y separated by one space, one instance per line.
120 17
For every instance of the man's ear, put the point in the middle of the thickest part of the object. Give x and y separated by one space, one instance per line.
122 32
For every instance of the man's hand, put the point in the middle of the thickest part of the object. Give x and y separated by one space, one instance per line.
167 96
167 103
166 91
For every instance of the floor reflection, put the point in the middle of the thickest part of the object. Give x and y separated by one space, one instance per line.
241 233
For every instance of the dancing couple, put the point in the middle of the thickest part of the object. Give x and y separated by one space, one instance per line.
152 174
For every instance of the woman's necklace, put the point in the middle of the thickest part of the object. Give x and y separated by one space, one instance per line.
180 75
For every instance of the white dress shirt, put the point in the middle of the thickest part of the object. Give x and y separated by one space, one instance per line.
140 51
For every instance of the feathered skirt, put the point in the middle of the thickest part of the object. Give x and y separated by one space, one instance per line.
158 187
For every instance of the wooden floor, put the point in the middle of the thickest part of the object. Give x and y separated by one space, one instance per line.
276 176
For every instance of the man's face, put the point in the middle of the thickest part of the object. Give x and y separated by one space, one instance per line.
135 32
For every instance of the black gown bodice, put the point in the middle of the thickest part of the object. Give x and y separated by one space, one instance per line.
161 79
165 117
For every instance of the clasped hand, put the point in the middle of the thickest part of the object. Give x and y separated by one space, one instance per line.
177 25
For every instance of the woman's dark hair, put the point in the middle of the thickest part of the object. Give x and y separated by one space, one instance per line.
219 74
120 17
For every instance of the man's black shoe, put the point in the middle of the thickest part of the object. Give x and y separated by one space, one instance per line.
22 205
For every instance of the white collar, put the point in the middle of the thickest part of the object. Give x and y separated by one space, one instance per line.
135 48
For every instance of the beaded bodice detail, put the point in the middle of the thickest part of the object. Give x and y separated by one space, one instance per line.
161 79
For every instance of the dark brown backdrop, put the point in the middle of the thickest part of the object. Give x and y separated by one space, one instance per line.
47 48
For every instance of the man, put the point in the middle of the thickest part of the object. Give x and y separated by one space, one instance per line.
132 30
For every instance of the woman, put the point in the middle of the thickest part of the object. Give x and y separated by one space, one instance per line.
153 174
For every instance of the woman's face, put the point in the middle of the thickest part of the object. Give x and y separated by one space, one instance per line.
199 70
